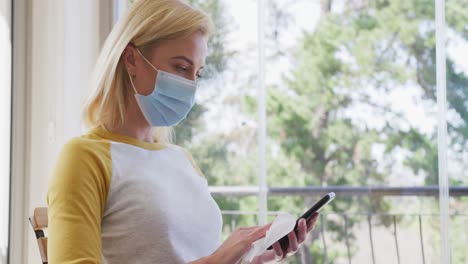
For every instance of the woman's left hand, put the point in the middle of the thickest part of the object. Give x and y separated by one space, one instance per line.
295 242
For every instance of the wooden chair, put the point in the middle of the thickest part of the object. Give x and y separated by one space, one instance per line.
39 222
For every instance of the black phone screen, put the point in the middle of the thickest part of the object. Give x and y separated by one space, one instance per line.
284 241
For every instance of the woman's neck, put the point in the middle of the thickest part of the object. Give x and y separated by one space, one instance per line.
135 124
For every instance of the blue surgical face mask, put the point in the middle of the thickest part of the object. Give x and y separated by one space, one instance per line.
171 100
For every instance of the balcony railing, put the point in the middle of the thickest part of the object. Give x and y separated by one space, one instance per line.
341 191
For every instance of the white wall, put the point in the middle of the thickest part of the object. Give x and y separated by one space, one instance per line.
64 37
5 104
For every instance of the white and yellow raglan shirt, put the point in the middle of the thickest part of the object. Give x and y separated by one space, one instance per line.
114 199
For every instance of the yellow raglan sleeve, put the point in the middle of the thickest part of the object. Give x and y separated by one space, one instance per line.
76 199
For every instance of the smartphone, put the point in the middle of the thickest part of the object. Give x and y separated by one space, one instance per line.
284 241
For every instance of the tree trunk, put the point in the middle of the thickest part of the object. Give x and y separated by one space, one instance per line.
326 5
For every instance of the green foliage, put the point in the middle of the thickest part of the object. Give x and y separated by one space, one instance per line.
424 152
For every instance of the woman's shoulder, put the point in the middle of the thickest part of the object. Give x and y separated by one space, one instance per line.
189 157
86 147
84 159
180 149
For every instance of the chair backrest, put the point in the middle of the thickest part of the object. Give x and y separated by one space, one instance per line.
39 222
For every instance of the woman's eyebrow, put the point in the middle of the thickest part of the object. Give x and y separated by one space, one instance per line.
189 61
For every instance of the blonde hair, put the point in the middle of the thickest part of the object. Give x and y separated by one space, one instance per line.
147 22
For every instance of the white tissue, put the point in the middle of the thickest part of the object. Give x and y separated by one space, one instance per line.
282 225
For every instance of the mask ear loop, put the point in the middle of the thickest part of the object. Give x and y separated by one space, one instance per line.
147 60
131 81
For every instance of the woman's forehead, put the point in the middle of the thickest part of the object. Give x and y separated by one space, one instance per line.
193 47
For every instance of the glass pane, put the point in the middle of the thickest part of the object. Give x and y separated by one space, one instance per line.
221 129
457 121
351 108
5 124
237 212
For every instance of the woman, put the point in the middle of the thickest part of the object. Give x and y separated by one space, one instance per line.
121 193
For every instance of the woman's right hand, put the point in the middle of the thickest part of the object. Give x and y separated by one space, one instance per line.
237 244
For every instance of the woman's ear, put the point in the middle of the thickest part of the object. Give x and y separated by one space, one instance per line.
128 56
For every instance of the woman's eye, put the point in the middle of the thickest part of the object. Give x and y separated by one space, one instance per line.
181 69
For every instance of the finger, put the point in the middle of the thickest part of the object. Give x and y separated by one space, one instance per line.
301 231
292 241
259 232
266 227
246 228
278 251
254 228
312 221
